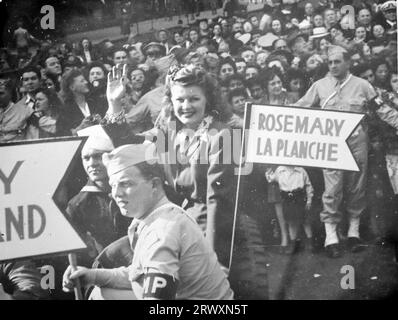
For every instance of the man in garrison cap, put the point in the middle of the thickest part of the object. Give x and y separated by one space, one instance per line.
90 210
171 259
340 90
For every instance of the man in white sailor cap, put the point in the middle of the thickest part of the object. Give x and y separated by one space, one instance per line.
389 12
90 209
171 259
340 90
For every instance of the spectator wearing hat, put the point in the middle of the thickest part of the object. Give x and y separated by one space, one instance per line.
305 27
321 42
298 44
90 210
388 17
154 50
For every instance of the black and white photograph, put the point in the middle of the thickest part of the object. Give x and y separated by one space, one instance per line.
212 150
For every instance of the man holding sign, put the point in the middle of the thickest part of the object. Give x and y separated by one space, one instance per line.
340 90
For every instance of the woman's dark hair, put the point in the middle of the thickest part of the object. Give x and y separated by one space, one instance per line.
95 64
179 32
292 74
148 81
270 75
227 60
238 92
54 79
253 65
317 41
67 80
189 33
377 62
282 25
235 76
195 76
254 81
54 103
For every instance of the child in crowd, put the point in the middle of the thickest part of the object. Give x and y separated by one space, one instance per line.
296 192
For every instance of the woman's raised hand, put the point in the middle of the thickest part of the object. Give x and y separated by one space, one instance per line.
116 87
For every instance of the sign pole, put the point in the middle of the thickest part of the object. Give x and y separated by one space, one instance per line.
78 289
238 188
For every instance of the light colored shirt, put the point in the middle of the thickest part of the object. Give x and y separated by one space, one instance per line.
351 94
292 178
170 242
85 110
13 120
88 56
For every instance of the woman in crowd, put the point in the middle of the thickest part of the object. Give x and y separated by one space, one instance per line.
217 34
44 121
277 28
360 34
191 123
378 31
276 93
193 39
74 92
137 87
381 72
178 38
227 68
